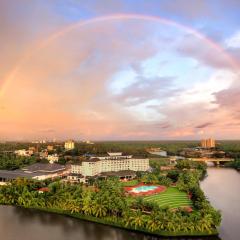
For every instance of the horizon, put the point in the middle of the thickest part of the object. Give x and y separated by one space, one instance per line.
129 71
117 140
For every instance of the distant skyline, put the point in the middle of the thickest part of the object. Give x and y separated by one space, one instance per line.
119 70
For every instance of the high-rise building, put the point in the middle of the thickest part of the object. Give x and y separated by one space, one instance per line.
69 145
208 143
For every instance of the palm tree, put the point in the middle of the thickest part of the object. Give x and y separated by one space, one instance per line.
100 209
153 222
138 220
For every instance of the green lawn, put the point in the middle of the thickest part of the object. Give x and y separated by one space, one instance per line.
130 183
172 198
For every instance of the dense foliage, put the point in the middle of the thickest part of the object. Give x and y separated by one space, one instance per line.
12 162
235 164
106 201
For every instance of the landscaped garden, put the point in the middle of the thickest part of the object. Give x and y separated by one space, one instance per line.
172 198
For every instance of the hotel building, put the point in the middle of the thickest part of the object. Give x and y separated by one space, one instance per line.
113 162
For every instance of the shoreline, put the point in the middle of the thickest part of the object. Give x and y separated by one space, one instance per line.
117 225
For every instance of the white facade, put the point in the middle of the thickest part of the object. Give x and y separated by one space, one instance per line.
24 152
110 163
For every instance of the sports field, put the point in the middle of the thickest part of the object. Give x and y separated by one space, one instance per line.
172 198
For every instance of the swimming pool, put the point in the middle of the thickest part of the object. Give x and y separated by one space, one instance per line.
143 189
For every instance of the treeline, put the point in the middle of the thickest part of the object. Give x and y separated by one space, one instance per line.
235 164
232 148
137 148
13 162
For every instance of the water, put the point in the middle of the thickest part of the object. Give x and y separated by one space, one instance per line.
222 188
144 188
27 224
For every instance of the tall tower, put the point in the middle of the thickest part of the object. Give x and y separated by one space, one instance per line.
69 145
208 143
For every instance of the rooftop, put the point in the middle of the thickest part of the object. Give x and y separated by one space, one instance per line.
44 167
17 174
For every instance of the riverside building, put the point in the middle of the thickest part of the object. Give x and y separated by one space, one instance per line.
112 162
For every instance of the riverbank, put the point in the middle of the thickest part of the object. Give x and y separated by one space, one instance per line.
120 226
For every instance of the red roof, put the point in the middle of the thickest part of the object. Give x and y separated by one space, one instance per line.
44 189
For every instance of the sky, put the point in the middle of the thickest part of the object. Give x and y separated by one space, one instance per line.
119 69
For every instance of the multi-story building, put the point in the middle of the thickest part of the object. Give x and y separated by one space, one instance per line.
113 162
208 143
69 145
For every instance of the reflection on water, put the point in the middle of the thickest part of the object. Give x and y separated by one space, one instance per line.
27 224
222 188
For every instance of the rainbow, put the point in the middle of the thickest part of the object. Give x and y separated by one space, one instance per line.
115 17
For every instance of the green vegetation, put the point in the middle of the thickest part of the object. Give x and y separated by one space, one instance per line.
106 202
158 162
172 198
235 164
12 162
130 183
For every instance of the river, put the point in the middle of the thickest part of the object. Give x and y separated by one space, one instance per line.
222 189
221 186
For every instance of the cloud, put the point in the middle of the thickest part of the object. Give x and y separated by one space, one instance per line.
207 55
64 91
233 41
229 99
204 125
146 89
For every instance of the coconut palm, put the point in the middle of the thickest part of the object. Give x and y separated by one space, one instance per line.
138 219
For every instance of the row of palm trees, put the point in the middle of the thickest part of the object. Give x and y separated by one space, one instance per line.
107 201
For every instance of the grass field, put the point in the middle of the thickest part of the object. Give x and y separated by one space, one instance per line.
172 198
130 183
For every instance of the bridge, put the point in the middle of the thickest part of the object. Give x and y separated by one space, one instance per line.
213 160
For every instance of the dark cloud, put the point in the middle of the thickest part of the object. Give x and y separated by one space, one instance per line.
204 125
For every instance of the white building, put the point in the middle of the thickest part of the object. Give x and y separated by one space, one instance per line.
24 152
69 145
113 162
52 158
